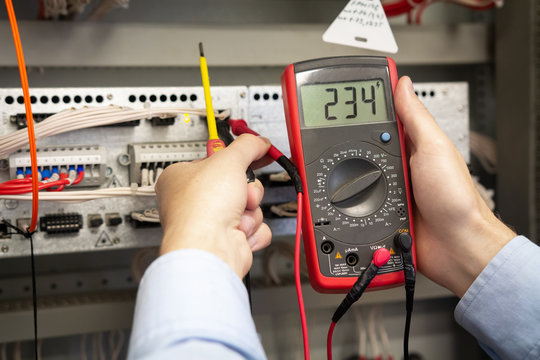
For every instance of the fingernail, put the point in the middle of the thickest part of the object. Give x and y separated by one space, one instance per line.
410 86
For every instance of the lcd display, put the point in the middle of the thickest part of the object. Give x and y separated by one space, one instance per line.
355 102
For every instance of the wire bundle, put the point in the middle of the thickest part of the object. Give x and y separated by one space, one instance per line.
55 181
85 195
76 119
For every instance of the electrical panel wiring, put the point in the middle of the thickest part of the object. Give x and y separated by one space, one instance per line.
147 160
120 139
92 158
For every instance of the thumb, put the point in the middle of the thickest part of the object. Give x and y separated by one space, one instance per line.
244 150
417 121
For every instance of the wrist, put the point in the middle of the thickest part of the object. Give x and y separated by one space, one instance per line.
230 246
481 242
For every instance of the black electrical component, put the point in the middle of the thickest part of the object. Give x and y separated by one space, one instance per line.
5 232
20 119
159 121
124 124
138 224
61 223
113 219
95 220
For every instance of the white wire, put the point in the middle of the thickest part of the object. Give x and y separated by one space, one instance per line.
384 334
3 351
94 347
85 195
106 6
372 334
361 333
116 347
158 173
53 8
144 177
76 119
100 346
151 180
39 348
83 347
485 149
77 6
17 351
148 215
486 194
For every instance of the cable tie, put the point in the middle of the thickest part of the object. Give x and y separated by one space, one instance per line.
27 234
134 187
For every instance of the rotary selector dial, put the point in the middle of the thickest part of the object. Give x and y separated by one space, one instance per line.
357 187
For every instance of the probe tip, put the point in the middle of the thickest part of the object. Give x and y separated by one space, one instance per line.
201 49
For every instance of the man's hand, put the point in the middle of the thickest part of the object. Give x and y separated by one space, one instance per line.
208 205
456 233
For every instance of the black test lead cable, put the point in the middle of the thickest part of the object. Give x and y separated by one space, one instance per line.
404 243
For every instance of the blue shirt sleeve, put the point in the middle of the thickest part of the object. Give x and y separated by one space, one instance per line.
502 306
191 305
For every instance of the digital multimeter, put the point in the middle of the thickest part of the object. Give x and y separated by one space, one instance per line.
348 145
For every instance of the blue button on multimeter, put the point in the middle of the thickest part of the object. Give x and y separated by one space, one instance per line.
385 137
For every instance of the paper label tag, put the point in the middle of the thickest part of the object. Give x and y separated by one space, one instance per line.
363 24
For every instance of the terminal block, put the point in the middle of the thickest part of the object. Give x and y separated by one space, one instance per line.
160 155
60 223
90 157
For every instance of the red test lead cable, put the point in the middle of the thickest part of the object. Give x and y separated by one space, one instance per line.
239 127
380 257
297 279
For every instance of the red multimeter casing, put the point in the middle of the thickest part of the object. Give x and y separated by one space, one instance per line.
349 147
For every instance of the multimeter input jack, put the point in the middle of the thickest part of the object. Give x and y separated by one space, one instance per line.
351 259
327 247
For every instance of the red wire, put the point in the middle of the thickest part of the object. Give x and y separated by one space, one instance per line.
29 117
79 178
16 190
17 181
297 276
61 187
329 341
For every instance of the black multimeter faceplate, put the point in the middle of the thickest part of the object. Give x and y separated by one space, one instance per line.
353 166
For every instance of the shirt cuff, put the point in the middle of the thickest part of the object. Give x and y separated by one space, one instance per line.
191 294
500 308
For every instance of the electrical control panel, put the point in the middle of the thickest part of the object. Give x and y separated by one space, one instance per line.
121 157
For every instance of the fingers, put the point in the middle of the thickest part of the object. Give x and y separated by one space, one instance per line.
418 122
258 234
255 193
250 221
261 238
245 150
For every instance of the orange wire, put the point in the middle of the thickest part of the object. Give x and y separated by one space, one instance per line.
29 117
